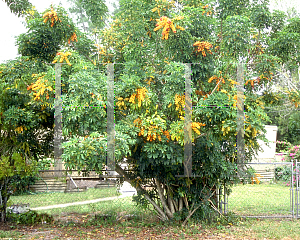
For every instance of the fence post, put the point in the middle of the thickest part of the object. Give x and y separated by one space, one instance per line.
110 118
297 188
58 122
240 115
188 123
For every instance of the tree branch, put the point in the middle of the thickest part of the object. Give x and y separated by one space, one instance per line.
175 204
180 204
171 205
162 198
190 214
214 89
186 202
120 171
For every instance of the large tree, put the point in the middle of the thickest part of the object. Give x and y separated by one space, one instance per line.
151 40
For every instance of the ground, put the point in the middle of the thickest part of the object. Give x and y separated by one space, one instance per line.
73 222
77 226
100 232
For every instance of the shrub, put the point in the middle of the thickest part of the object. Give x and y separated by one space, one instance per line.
283 173
30 217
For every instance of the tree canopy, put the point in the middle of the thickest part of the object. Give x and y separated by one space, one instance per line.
150 43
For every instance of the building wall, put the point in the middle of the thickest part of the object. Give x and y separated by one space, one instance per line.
267 154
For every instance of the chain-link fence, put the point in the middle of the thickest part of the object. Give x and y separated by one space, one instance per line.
72 196
271 192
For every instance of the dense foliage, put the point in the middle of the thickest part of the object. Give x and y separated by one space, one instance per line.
149 42
27 95
149 90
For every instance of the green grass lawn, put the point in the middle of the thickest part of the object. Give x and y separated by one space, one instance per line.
46 199
121 206
262 229
262 199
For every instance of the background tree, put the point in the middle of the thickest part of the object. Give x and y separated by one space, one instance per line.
18 7
90 15
26 99
283 99
26 125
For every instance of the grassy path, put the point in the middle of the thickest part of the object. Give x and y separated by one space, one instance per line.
77 203
54 198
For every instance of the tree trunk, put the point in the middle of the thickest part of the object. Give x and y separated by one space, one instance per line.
171 205
175 204
186 202
163 216
180 204
162 199
3 200
3 212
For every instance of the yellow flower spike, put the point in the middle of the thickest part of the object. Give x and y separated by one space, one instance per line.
68 62
167 24
203 47
63 56
178 18
154 9
173 27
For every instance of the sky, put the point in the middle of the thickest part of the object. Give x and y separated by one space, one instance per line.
12 26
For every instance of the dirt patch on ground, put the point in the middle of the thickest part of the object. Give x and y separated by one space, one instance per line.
111 233
78 226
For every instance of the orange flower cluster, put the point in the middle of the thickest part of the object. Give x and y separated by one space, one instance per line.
39 87
73 38
52 15
202 93
196 127
251 81
121 103
20 129
167 134
294 97
179 103
139 95
202 46
167 24
216 78
149 80
153 131
259 79
101 50
255 178
219 80
63 56
204 11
